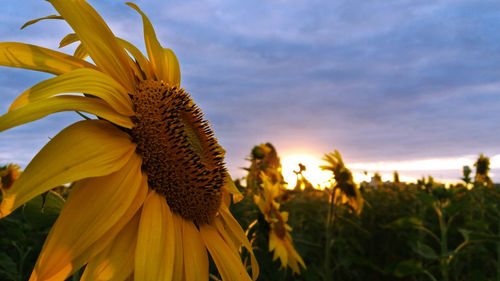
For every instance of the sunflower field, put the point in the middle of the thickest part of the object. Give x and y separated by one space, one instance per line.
383 231
138 188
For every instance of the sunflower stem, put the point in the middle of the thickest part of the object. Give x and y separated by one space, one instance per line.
498 252
445 257
328 240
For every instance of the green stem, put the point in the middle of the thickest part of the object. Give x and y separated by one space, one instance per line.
444 243
498 253
430 275
308 243
329 224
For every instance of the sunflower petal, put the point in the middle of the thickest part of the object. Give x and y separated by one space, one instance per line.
230 186
94 207
116 262
173 71
89 148
164 61
33 57
178 273
195 253
231 240
83 80
80 52
228 262
97 38
37 110
68 39
51 17
143 62
236 231
107 238
155 252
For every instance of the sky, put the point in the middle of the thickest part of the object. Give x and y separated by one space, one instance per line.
393 85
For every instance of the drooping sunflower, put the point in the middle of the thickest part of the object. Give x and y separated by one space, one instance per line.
151 190
344 189
280 240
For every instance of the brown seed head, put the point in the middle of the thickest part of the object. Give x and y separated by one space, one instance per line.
181 157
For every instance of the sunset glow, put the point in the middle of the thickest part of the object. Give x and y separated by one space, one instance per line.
319 177
313 173
385 168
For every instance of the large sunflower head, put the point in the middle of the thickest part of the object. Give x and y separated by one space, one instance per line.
151 190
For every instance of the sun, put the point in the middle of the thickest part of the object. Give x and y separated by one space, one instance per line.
313 173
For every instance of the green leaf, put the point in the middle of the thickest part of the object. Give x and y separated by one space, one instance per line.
424 250
367 263
477 236
8 268
405 223
455 207
407 268
43 212
478 225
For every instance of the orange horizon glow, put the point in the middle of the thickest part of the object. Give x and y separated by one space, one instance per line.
313 173
386 169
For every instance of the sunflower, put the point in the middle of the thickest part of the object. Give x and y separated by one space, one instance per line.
151 192
8 175
280 240
344 189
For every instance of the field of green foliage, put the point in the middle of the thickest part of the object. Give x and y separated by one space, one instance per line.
377 231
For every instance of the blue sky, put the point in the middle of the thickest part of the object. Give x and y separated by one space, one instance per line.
384 82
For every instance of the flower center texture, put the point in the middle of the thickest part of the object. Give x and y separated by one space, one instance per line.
181 157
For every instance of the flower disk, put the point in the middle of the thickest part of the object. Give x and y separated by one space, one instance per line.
181 157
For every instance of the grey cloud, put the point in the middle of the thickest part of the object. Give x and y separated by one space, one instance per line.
378 80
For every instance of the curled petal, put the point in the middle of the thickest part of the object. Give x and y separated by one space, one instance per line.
85 149
33 57
37 110
86 81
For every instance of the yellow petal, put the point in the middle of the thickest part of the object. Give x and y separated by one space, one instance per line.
236 231
116 262
80 52
107 238
85 149
173 72
154 255
32 57
139 57
280 251
94 207
195 254
37 110
231 240
294 259
164 61
230 186
83 80
228 262
97 38
69 39
178 273
273 242
51 17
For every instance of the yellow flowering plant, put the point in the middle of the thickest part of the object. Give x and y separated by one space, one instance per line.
150 194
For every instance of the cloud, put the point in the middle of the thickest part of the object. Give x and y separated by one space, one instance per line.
378 80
